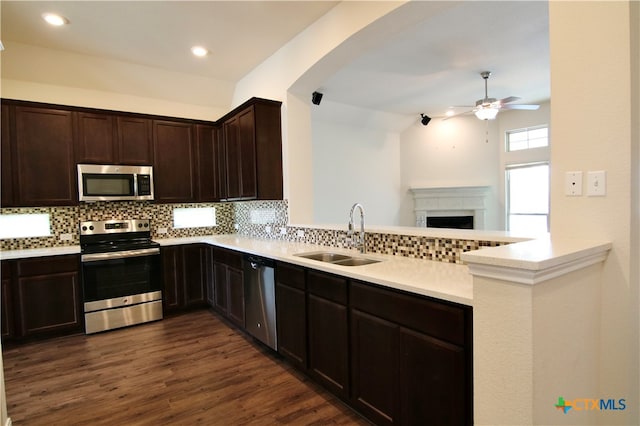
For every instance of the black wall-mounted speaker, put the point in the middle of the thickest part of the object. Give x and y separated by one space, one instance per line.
316 98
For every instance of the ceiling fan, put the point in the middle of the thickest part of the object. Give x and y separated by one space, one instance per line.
488 108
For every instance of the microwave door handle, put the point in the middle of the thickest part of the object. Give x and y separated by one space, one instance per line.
96 257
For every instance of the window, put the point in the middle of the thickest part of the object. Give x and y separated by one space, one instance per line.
195 217
528 198
24 225
533 137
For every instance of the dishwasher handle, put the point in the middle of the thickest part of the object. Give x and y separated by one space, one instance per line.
257 262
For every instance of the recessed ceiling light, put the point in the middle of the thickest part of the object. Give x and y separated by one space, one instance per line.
199 51
54 19
450 112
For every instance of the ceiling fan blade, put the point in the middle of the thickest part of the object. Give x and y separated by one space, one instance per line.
509 99
458 114
525 107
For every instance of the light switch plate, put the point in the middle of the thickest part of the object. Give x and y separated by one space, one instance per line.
596 183
573 184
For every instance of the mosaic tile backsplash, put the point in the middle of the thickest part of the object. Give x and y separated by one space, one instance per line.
258 219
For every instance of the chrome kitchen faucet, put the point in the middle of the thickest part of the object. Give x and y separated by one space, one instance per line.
360 245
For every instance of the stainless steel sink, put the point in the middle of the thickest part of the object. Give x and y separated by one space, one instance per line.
337 258
356 261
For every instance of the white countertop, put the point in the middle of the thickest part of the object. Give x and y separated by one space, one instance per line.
446 281
39 252
528 262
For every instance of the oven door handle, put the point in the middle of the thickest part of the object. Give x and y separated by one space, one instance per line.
96 257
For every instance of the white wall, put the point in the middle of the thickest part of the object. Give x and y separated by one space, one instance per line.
354 163
595 120
454 152
52 76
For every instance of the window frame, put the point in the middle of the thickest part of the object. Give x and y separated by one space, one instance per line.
507 181
507 142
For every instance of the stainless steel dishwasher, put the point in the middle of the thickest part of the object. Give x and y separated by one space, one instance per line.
260 299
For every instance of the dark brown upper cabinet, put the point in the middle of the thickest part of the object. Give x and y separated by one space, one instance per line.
253 151
174 170
134 142
5 157
104 138
207 163
42 156
95 138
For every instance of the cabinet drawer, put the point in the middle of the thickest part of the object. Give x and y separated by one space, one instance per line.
441 320
327 286
228 257
290 275
48 265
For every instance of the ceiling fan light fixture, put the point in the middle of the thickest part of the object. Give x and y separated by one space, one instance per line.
486 113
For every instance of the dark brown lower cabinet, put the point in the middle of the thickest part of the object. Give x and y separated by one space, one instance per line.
291 313
411 358
184 276
375 362
42 296
7 303
228 284
396 357
432 381
328 332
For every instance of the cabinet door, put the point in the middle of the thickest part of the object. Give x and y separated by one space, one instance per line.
291 319
235 299
44 160
328 344
375 367
240 155
194 258
221 162
207 163
6 308
210 277
5 156
172 276
432 381
173 172
232 158
134 141
220 286
247 143
268 134
95 142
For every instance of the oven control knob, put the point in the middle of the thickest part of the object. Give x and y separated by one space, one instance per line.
146 225
84 228
91 227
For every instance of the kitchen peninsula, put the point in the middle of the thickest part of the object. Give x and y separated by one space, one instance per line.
512 298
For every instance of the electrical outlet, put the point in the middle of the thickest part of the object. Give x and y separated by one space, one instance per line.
596 183
66 237
283 231
573 184
300 233
162 230
267 229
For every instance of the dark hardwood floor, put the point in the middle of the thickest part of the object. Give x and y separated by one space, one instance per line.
183 370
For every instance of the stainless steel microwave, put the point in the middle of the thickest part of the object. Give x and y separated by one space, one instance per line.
114 183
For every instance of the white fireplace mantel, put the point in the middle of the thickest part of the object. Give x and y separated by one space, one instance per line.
451 201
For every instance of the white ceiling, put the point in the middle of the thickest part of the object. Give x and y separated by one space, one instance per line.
426 66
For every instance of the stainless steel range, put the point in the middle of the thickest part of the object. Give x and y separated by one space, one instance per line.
120 274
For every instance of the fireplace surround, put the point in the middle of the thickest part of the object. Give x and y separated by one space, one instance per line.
452 202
